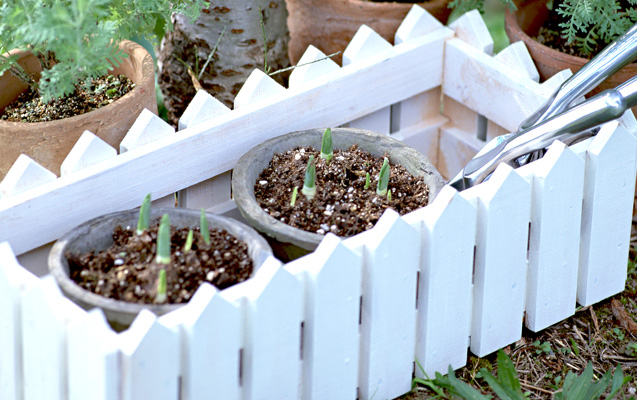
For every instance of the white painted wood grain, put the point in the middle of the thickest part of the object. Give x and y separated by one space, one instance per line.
313 64
25 174
45 316
211 330
606 217
13 281
87 151
388 317
417 22
448 229
499 277
554 239
516 56
203 107
332 277
147 128
471 28
150 353
93 359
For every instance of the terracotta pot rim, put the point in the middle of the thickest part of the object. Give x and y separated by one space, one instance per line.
147 73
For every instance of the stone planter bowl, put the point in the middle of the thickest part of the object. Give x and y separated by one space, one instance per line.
287 242
97 234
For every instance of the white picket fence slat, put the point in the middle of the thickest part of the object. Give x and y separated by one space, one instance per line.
351 319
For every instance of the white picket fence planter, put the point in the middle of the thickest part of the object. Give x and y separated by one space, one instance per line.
350 319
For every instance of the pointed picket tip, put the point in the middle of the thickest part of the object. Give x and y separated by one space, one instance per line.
365 43
202 107
88 150
131 338
268 273
390 226
417 22
24 174
471 29
553 83
257 87
557 153
147 128
11 270
507 179
517 56
309 67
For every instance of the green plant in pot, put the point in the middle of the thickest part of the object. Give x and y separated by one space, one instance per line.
57 50
571 32
295 189
156 259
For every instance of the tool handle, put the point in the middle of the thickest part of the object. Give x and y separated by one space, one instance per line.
614 57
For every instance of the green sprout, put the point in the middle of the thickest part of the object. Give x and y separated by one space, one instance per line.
144 215
163 241
383 179
162 286
188 245
368 180
295 192
327 152
388 195
309 184
205 231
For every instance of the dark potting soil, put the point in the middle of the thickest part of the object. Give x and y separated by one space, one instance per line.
127 271
100 92
342 205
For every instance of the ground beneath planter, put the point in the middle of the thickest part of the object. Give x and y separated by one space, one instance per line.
342 205
87 97
127 271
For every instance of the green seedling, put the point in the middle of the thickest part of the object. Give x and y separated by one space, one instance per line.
163 241
162 286
205 231
327 152
309 184
368 180
383 179
144 215
388 195
295 193
188 245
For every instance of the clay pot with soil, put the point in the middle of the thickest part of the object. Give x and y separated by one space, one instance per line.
106 263
346 200
329 25
524 25
49 142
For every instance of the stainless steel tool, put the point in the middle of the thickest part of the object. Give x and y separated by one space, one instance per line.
556 120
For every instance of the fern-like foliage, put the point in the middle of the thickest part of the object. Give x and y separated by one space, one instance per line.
592 24
76 40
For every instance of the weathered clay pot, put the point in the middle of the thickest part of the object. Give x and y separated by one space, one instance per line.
329 25
523 24
49 143
97 234
287 242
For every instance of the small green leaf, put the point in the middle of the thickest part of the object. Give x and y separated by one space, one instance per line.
163 241
189 239
309 183
383 179
326 146
368 180
617 382
295 193
144 215
463 389
205 231
162 287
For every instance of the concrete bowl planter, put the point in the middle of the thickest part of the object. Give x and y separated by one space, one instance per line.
288 242
96 235
49 142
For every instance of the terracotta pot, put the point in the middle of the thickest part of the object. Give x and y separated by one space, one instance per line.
97 234
287 242
525 23
49 143
329 25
